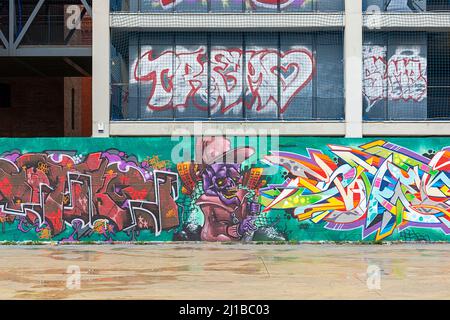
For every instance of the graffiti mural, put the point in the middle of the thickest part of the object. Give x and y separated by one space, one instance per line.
401 77
321 189
266 71
379 186
104 192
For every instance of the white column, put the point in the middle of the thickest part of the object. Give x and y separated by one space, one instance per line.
100 68
353 37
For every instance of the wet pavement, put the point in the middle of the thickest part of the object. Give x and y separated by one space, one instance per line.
219 271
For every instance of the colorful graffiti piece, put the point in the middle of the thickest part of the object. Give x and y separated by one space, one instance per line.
266 70
104 192
333 190
402 77
379 187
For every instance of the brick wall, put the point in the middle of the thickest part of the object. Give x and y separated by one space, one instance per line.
37 108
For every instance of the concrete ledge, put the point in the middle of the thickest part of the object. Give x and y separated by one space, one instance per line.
226 21
141 128
405 128
426 21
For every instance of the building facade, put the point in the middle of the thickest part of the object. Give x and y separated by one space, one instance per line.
45 47
249 120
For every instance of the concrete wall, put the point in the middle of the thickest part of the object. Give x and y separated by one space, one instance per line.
225 189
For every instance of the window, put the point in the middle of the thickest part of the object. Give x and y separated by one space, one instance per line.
404 76
406 5
169 6
227 76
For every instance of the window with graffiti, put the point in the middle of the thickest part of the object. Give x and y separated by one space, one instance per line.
406 5
169 6
403 76
228 76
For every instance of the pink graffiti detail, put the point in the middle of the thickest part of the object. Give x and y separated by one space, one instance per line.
273 4
269 4
181 79
403 77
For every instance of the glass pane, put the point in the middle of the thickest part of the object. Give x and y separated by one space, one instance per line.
191 76
227 5
395 5
261 56
262 5
406 5
190 5
395 76
438 5
407 76
438 95
123 104
327 5
375 76
154 73
154 6
226 84
330 76
57 23
296 5
295 76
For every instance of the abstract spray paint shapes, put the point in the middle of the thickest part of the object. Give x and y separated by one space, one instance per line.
379 188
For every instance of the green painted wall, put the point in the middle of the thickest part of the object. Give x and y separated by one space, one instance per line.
217 189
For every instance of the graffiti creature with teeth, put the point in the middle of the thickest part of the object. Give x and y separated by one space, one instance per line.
229 214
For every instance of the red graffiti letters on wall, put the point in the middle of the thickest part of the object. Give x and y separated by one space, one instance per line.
181 79
51 189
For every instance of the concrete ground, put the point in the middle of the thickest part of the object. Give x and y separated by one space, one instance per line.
218 271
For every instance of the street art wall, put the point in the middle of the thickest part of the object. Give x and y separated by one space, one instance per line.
225 189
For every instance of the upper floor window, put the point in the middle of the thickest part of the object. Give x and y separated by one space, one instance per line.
227 76
226 5
406 5
406 76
